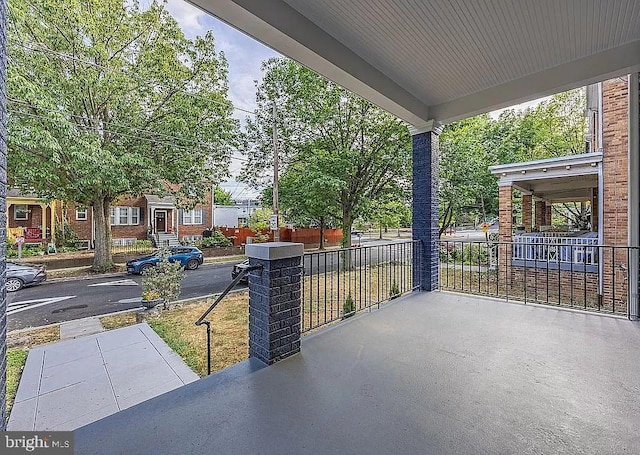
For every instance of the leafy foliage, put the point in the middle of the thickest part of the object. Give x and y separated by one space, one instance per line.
109 98
163 281
217 240
222 197
348 307
351 150
552 128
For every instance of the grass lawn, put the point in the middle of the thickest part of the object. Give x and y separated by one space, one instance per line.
16 359
118 320
229 332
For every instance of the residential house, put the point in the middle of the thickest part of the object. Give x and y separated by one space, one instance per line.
597 179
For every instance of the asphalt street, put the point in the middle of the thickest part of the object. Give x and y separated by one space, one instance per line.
61 301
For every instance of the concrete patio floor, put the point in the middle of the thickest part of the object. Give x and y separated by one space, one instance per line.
432 373
71 383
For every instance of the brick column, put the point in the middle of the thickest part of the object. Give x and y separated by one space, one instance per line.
3 211
526 212
425 206
547 213
275 300
540 213
505 231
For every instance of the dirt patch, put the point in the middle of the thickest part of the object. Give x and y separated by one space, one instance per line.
31 338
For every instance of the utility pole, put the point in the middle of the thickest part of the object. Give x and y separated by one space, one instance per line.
276 231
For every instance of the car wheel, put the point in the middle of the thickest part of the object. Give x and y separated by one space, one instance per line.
192 264
144 268
14 284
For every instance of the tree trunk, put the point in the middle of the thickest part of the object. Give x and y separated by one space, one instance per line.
380 229
321 247
347 256
102 260
347 222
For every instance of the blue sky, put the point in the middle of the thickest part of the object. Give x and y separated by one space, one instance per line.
243 53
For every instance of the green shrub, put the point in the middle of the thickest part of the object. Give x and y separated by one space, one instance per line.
395 291
217 240
163 280
349 308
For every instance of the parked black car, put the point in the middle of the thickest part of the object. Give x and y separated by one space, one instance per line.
238 268
20 275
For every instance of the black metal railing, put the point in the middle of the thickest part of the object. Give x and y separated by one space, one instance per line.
202 319
582 276
339 283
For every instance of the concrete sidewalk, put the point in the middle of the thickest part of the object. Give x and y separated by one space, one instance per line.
72 383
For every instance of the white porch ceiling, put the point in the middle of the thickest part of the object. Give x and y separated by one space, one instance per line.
431 59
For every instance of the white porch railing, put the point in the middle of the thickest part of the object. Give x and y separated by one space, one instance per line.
568 250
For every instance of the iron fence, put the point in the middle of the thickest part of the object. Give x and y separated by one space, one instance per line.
340 283
588 277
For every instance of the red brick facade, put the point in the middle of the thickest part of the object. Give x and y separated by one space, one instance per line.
173 220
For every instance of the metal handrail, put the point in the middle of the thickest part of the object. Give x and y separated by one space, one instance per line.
201 320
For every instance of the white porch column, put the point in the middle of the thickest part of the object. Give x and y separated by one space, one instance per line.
634 194
43 208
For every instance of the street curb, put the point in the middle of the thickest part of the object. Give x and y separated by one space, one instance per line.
116 313
237 258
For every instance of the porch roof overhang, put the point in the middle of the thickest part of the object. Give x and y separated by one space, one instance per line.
444 61
561 179
157 202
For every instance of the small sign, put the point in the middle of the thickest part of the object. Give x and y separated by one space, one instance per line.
273 222
19 240
485 227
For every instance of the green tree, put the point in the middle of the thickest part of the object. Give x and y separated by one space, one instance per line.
303 190
465 181
361 150
108 98
222 197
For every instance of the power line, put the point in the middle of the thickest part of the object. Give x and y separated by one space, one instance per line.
113 70
118 133
53 111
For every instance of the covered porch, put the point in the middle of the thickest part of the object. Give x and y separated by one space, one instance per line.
431 373
571 179
30 217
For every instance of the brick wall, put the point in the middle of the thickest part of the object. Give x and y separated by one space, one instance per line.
614 160
615 179
34 217
3 206
82 228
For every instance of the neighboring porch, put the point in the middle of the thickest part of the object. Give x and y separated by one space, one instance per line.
30 217
431 373
573 179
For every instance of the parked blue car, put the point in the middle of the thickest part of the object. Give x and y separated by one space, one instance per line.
189 257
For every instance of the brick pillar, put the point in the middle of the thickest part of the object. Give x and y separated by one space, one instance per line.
505 230
547 213
540 213
3 211
615 194
425 207
594 210
526 212
275 300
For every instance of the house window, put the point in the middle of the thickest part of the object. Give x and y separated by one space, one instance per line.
125 216
81 214
192 217
21 212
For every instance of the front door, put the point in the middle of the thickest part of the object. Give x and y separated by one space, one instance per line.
161 221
